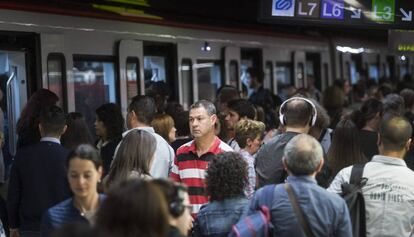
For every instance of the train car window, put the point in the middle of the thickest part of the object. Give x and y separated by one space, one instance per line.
403 69
284 75
373 72
245 77
386 70
209 78
132 76
268 76
56 77
154 69
94 84
310 68
187 82
234 73
354 73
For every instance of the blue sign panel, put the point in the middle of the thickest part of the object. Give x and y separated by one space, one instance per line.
332 9
283 8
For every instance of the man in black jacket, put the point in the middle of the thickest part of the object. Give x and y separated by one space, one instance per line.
38 176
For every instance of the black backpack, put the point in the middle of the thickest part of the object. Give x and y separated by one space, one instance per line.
354 198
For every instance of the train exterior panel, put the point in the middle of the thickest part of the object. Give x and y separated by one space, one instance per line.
89 61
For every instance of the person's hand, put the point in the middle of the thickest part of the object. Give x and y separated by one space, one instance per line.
14 233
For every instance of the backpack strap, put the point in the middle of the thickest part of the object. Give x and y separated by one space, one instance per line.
356 173
322 135
298 211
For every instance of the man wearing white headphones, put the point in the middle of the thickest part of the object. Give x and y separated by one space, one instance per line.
297 115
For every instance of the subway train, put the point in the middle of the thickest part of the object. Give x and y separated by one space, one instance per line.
90 61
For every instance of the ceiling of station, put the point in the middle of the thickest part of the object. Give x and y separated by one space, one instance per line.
231 14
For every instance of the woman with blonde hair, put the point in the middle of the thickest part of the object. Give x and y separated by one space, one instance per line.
249 136
163 124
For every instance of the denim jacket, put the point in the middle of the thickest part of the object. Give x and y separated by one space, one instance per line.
216 218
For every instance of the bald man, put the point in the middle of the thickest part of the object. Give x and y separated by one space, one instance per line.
326 213
389 191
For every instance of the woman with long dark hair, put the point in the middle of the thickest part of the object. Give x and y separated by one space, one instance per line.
84 174
345 148
368 119
133 158
28 123
77 132
109 125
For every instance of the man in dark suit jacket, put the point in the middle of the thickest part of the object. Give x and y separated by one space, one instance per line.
38 176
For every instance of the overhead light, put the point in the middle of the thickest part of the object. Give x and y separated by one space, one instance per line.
206 47
403 58
346 49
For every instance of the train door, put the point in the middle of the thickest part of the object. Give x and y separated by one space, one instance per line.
201 71
160 63
19 68
209 78
313 70
372 66
231 66
131 72
250 57
357 68
283 72
14 93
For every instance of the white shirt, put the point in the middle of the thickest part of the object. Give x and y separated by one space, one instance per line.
50 139
234 145
388 194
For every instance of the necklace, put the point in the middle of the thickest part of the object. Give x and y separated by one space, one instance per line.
88 214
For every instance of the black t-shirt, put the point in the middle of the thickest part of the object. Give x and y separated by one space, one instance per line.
368 141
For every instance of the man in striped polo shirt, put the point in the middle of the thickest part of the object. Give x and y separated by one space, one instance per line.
192 158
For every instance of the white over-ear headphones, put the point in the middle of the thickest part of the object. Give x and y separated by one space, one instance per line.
314 114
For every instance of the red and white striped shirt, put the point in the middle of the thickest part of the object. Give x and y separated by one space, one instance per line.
190 170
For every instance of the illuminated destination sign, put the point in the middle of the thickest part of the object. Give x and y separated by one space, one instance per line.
396 14
401 41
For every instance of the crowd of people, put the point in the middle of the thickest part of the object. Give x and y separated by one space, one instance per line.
180 173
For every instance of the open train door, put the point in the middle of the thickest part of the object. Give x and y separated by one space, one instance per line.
19 70
131 71
14 89
232 66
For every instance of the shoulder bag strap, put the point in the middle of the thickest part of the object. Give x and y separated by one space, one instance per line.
356 173
298 211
